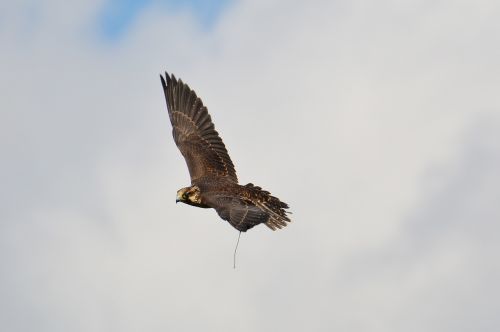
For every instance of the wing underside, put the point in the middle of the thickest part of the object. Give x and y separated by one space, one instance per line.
194 132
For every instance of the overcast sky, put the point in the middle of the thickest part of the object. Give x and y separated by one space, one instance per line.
378 122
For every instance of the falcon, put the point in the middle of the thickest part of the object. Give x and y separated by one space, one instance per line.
213 178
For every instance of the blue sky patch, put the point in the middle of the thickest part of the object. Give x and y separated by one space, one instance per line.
118 16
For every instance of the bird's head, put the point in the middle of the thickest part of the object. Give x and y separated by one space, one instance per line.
189 195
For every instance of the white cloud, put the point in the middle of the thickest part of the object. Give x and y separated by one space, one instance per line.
376 122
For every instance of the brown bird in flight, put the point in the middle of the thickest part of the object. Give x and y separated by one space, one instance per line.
213 179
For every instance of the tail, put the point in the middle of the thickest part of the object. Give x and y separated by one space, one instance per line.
275 208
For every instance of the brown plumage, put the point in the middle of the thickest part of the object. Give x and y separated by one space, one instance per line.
213 178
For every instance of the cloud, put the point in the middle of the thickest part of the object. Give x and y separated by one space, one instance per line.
376 122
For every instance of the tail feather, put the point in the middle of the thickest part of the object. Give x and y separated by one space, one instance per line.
272 205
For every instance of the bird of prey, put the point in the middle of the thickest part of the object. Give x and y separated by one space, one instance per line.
213 179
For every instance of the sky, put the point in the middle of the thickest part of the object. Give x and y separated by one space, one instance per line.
378 122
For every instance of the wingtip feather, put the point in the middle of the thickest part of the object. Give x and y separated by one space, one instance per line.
163 83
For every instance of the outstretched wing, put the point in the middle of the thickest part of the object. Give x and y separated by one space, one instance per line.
243 213
194 133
